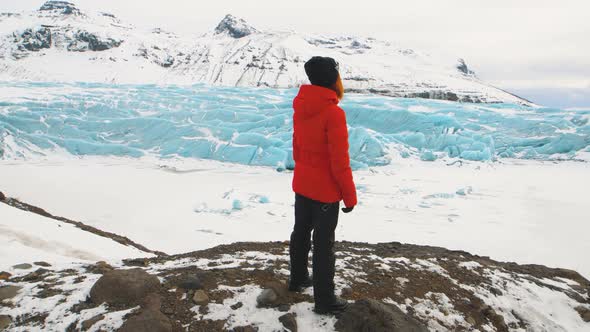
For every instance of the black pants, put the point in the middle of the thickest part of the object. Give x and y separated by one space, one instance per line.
322 218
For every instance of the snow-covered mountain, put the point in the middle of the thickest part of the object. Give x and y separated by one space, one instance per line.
59 42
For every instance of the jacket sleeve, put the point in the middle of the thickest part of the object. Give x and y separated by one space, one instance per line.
339 158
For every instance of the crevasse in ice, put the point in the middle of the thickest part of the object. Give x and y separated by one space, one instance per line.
253 126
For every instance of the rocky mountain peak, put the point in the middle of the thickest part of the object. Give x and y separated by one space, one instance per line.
234 27
62 7
462 67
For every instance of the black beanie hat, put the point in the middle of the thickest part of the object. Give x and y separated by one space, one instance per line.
322 71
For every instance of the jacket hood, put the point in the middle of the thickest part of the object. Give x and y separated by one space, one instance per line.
313 99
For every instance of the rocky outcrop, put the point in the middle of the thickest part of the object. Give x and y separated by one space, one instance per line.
10 15
147 321
37 39
462 67
62 7
372 315
155 54
84 41
234 27
391 287
124 287
33 39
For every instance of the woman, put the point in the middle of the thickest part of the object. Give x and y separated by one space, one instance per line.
322 179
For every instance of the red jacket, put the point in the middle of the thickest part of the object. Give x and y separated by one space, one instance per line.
320 147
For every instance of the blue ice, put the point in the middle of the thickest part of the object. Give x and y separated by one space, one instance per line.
253 126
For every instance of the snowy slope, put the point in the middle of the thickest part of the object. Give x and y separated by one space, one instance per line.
28 237
58 42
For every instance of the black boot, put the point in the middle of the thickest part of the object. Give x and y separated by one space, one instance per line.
299 286
334 307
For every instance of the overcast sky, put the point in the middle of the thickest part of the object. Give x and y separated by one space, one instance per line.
537 48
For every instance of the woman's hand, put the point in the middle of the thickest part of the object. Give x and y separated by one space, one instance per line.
347 209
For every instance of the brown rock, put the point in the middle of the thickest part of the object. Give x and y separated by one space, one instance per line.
2 196
100 268
24 266
124 287
147 321
289 322
37 275
8 292
5 276
584 313
5 322
278 287
142 262
267 298
152 302
372 315
236 306
200 297
43 264
274 294
87 324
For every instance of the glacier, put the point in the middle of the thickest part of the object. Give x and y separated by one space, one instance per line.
253 126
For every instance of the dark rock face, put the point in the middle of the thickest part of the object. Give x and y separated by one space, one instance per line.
235 27
64 7
462 67
36 275
124 287
168 61
34 40
86 41
372 315
190 282
357 44
10 15
147 321
44 264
